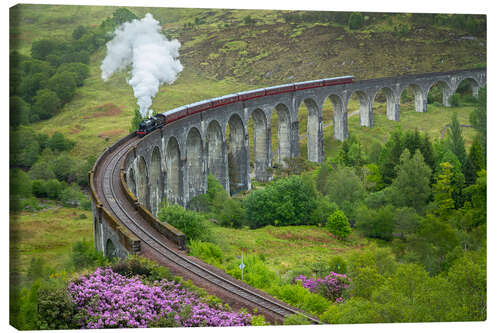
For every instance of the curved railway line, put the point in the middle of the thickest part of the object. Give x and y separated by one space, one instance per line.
155 246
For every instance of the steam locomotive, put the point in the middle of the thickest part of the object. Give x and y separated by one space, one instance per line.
151 124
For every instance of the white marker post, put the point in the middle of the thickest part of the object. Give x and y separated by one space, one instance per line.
242 266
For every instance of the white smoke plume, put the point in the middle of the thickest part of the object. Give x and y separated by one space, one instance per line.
152 56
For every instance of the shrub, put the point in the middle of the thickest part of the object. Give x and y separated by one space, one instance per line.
84 255
337 264
332 287
232 214
56 310
111 300
208 252
376 223
296 295
190 223
454 100
296 319
355 21
338 225
288 201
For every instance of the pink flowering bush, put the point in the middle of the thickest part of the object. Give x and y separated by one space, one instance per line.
331 287
111 300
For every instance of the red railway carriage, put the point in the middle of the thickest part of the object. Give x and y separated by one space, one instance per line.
224 100
308 84
198 107
151 124
175 114
338 80
281 89
251 94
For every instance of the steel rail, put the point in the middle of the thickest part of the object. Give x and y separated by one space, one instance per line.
111 166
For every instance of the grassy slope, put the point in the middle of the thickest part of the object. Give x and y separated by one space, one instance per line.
223 56
287 247
47 234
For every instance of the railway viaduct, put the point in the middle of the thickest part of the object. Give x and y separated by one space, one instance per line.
172 163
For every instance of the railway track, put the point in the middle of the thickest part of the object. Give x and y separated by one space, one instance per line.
157 247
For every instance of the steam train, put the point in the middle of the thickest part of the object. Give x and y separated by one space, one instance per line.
151 124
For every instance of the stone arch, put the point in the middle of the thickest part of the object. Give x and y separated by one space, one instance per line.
314 147
155 177
365 108
474 85
142 183
216 152
194 162
446 89
237 155
419 96
173 172
131 181
284 146
260 144
110 250
392 102
339 116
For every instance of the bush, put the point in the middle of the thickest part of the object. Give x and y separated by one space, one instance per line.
355 21
296 319
337 264
376 223
296 295
190 223
56 310
207 252
84 255
455 100
288 201
232 214
338 225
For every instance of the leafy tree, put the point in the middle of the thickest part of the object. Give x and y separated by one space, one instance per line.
63 167
457 179
442 191
79 32
136 120
411 186
338 225
288 201
455 140
80 71
390 156
19 111
232 214
345 189
63 84
323 210
407 221
375 223
56 310
46 104
477 118
42 49
60 143
474 162
476 194
20 183
468 278
324 172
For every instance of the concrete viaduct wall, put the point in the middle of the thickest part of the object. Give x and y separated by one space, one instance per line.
172 163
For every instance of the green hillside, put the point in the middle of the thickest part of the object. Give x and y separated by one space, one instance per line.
225 51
